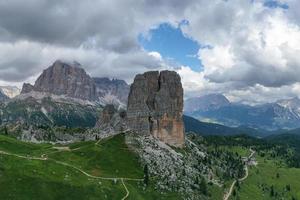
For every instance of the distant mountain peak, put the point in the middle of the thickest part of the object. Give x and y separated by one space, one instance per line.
10 91
3 97
205 102
292 104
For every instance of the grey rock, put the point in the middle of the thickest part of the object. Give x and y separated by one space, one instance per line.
27 87
65 79
112 121
113 87
205 103
72 81
155 105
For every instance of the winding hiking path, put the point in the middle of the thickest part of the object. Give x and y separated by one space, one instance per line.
43 158
127 192
228 194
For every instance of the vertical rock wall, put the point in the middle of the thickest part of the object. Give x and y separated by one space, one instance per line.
155 105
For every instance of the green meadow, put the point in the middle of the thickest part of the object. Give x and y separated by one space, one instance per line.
60 175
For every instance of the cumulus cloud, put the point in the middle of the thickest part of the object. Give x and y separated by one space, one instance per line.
249 49
26 60
101 35
253 48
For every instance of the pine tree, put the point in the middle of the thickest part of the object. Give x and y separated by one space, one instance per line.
234 193
203 187
146 175
5 130
272 191
238 184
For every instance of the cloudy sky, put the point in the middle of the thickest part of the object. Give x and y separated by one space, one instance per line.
248 50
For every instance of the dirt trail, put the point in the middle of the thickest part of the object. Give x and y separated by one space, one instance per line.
127 192
228 194
76 168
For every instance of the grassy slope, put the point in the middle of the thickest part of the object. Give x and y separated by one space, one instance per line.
33 179
264 175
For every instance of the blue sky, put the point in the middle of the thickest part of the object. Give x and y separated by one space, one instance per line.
173 45
275 4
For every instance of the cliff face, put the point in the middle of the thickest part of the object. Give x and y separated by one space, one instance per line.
155 105
72 81
64 79
115 87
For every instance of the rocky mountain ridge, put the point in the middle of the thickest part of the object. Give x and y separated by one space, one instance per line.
71 80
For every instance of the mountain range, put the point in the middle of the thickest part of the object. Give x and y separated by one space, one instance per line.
64 94
282 114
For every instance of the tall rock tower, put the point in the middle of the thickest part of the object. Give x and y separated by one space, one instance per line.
155 106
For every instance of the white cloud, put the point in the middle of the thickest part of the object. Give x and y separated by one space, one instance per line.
254 52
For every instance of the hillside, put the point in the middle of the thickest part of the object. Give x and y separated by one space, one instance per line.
109 167
203 128
271 175
86 170
48 111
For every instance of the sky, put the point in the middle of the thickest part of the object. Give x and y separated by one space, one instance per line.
247 50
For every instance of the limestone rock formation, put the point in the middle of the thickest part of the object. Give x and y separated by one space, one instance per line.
111 120
155 106
27 87
64 79
110 90
71 80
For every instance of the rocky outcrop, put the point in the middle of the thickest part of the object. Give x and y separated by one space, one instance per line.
155 105
110 90
112 121
27 87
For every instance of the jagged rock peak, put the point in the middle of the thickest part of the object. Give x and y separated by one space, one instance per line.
71 80
65 79
113 87
27 87
155 105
